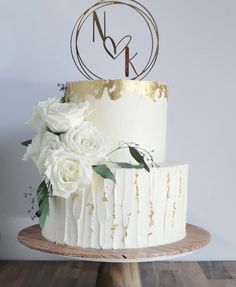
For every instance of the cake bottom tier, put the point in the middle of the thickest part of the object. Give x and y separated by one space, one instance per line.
141 210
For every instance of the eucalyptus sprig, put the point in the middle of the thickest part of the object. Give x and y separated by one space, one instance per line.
39 197
140 155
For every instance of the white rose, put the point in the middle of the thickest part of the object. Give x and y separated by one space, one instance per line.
64 116
67 172
33 150
38 120
41 147
50 142
86 141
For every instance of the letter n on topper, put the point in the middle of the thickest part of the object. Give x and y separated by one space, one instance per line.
96 22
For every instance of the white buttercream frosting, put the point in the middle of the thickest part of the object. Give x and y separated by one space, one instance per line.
141 210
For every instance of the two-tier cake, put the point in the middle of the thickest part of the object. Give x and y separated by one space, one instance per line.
101 152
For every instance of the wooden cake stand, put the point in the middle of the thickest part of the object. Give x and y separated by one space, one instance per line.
125 273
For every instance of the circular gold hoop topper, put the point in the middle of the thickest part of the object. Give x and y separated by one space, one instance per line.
120 50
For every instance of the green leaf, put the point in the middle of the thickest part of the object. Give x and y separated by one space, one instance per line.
138 157
43 203
26 143
57 134
38 213
63 99
129 165
42 192
44 208
104 171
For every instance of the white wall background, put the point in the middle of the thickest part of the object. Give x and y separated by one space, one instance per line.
197 60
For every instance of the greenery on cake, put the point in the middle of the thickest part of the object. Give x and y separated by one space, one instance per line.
43 192
68 148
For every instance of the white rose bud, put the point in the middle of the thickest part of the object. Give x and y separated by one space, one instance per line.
68 173
86 141
38 120
64 116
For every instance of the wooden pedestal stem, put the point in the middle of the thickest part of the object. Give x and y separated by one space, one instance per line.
118 275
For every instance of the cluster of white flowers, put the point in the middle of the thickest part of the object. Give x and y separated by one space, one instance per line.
66 145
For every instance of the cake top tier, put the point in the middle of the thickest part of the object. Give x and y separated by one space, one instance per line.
116 89
125 111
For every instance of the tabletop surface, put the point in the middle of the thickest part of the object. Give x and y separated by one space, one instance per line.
195 239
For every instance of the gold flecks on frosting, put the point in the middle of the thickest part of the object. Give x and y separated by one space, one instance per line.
115 225
173 214
136 191
168 186
167 199
115 89
114 212
74 196
114 228
104 198
126 231
180 184
126 227
151 215
91 208
136 186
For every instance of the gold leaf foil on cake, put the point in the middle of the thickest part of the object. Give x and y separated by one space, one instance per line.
115 89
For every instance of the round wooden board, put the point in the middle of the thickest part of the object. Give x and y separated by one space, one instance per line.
195 239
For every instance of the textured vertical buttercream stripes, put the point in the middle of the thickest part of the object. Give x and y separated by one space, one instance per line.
142 209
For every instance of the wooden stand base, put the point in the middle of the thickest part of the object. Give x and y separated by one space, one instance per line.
119 268
195 239
118 275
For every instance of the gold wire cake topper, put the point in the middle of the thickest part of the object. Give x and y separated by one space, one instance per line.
121 50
